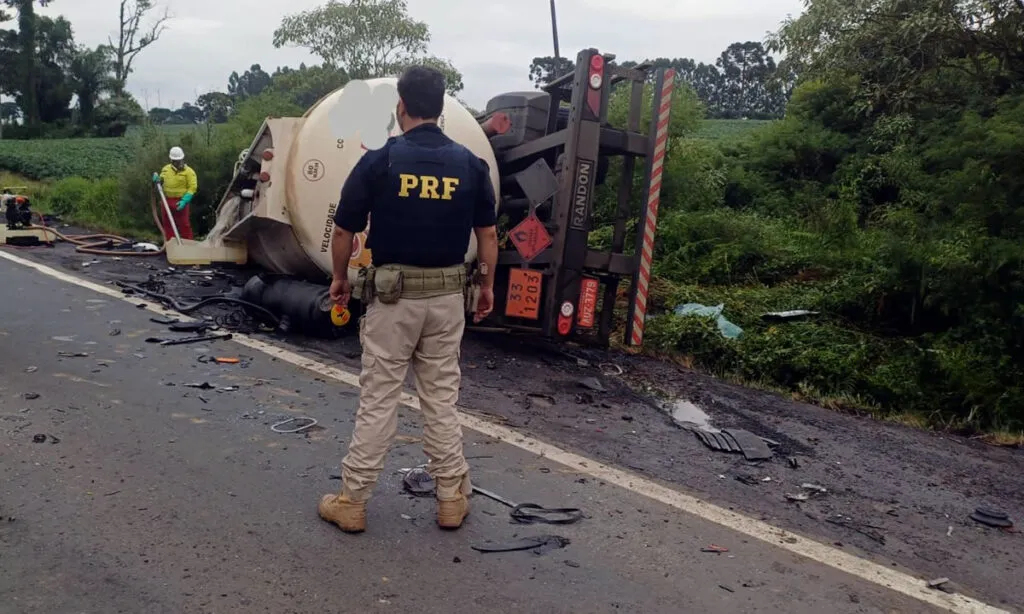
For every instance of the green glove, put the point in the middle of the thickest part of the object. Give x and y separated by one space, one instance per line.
185 200
156 177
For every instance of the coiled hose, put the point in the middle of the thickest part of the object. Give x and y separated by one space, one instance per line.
93 243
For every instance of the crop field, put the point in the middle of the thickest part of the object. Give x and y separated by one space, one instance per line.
51 159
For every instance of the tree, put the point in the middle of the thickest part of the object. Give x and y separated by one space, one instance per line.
133 38
307 84
544 70
90 74
366 38
115 114
251 83
896 48
216 107
452 76
189 114
160 115
25 67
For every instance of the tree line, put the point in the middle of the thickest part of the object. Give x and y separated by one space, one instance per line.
44 70
744 82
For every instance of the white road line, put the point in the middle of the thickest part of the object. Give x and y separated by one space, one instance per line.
816 551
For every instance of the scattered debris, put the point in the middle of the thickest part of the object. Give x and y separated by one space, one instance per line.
196 339
541 400
73 354
31 369
539 544
164 321
714 549
627 418
941 584
189 327
456 560
750 445
811 491
418 482
40 438
867 530
529 513
992 518
727 328
725 588
609 369
749 480
793 462
299 429
201 386
592 383
226 360
572 564
584 398
788 315
31 396
949 531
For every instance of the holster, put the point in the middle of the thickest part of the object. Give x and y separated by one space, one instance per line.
364 290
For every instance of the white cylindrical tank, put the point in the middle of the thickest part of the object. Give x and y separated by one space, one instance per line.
324 147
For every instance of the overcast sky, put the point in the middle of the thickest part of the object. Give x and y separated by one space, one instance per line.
491 41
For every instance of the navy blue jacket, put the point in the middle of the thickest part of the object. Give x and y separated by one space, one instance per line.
422 194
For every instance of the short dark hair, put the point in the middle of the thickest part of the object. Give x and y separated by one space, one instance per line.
422 90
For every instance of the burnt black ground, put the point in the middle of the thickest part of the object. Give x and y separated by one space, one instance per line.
911 491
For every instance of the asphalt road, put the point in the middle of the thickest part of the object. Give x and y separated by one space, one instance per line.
149 495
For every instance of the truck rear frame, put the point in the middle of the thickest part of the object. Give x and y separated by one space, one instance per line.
549 281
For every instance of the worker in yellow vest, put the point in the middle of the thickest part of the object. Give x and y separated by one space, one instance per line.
180 185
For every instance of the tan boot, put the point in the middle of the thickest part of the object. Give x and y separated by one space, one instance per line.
452 504
349 515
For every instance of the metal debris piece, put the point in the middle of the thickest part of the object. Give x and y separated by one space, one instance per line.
936 583
31 369
418 482
714 549
592 383
992 518
201 385
299 429
73 354
31 396
196 339
754 448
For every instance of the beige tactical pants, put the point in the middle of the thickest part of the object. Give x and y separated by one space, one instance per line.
428 334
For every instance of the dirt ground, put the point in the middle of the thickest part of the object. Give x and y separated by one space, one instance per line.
894 494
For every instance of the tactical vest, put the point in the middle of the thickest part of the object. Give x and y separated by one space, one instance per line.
425 215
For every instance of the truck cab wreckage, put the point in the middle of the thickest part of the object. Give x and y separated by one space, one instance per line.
548 150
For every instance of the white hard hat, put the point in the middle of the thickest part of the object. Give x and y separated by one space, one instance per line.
177 154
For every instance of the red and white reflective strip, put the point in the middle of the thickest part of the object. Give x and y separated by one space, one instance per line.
653 201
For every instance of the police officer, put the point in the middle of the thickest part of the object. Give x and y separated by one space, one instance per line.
425 194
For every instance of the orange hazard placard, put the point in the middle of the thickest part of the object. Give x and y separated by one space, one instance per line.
523 298
530 237
588 302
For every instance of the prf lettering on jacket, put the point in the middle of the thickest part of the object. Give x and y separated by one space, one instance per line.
428 185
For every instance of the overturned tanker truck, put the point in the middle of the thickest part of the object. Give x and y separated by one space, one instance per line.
547 151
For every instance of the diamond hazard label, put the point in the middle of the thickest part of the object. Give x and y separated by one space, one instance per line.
530 238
